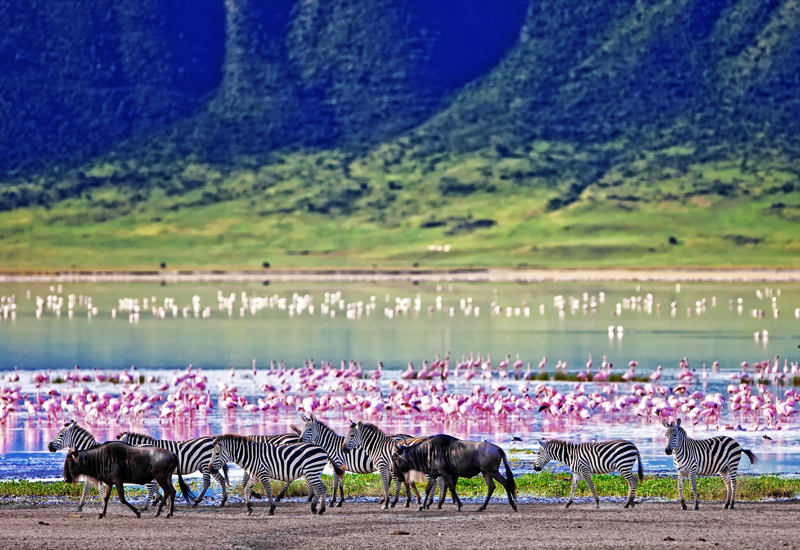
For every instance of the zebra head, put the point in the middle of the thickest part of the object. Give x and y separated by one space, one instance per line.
543 457
353 438
65 437
674 435
310 433
219 455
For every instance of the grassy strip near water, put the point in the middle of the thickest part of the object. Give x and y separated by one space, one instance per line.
545 484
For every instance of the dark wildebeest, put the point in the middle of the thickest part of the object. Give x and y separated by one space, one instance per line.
451 458
116 463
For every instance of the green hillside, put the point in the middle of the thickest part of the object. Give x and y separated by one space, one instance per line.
615 133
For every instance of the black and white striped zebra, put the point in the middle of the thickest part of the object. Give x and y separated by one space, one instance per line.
585 459
73 436
277 439
194 455
379 447
263 462
705 457
357 461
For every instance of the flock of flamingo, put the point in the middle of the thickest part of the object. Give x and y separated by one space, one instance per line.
474 389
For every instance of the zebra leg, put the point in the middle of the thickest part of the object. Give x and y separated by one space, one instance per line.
221 481
726 480
693 480
490 485
680 490
152 489
283 491
206 485
428 495
248 488
86 487
386 478
245 480
397 488
572 491
633 483
588 479
442 491
268 489
341 492
319 493
733 487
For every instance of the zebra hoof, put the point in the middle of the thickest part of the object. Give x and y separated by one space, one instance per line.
101 516
479 509
271 511
194 505
408 505
169 515
392 505
250 512
420 509
322 510
314 510
139 514
339 504
683 507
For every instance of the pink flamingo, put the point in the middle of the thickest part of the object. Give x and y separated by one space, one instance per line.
656 376
409 373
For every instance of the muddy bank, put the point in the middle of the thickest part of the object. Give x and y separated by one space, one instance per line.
363 525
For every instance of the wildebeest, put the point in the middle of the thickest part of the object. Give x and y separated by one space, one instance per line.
451 458
116 463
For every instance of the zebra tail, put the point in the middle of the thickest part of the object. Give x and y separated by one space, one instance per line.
338 468
751 455
509 475
641 470
185 491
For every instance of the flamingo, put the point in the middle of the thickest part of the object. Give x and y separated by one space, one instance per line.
13 377
656 375
409 373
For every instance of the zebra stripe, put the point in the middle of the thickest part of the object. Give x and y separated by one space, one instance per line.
585 459
704 457
73 436
264 461
193 455
379 447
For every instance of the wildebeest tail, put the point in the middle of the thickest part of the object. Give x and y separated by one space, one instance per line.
641 470
509 475
185 491
751 455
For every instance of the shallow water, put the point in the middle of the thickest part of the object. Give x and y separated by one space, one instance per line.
707 325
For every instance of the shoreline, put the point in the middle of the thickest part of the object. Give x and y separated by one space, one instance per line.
461 275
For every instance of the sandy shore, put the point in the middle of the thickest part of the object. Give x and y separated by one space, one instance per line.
362 526
422 275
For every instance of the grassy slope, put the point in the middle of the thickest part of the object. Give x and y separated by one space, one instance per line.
297 212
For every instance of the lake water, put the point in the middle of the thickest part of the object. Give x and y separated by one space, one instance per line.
661 324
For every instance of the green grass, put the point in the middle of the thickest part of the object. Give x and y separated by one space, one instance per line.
384 209
545 484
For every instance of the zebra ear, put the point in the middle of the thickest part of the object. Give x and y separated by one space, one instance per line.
665 423
541 442
678 422
311 416
352 424
303 417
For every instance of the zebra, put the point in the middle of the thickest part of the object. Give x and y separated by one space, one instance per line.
704 457
263 461
72 436
357 461
585 459
193 455
379 447
279 439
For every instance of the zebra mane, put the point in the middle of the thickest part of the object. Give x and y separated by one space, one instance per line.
77 431
324 428
560 442
368 428
136 435
234 438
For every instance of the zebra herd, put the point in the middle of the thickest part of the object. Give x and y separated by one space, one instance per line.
367 449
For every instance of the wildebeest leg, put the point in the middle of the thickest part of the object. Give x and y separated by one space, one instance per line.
121 493
490 485
169 493
206 484
428 495
506 483
221 480
451 484
265 481
105 502
413 486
